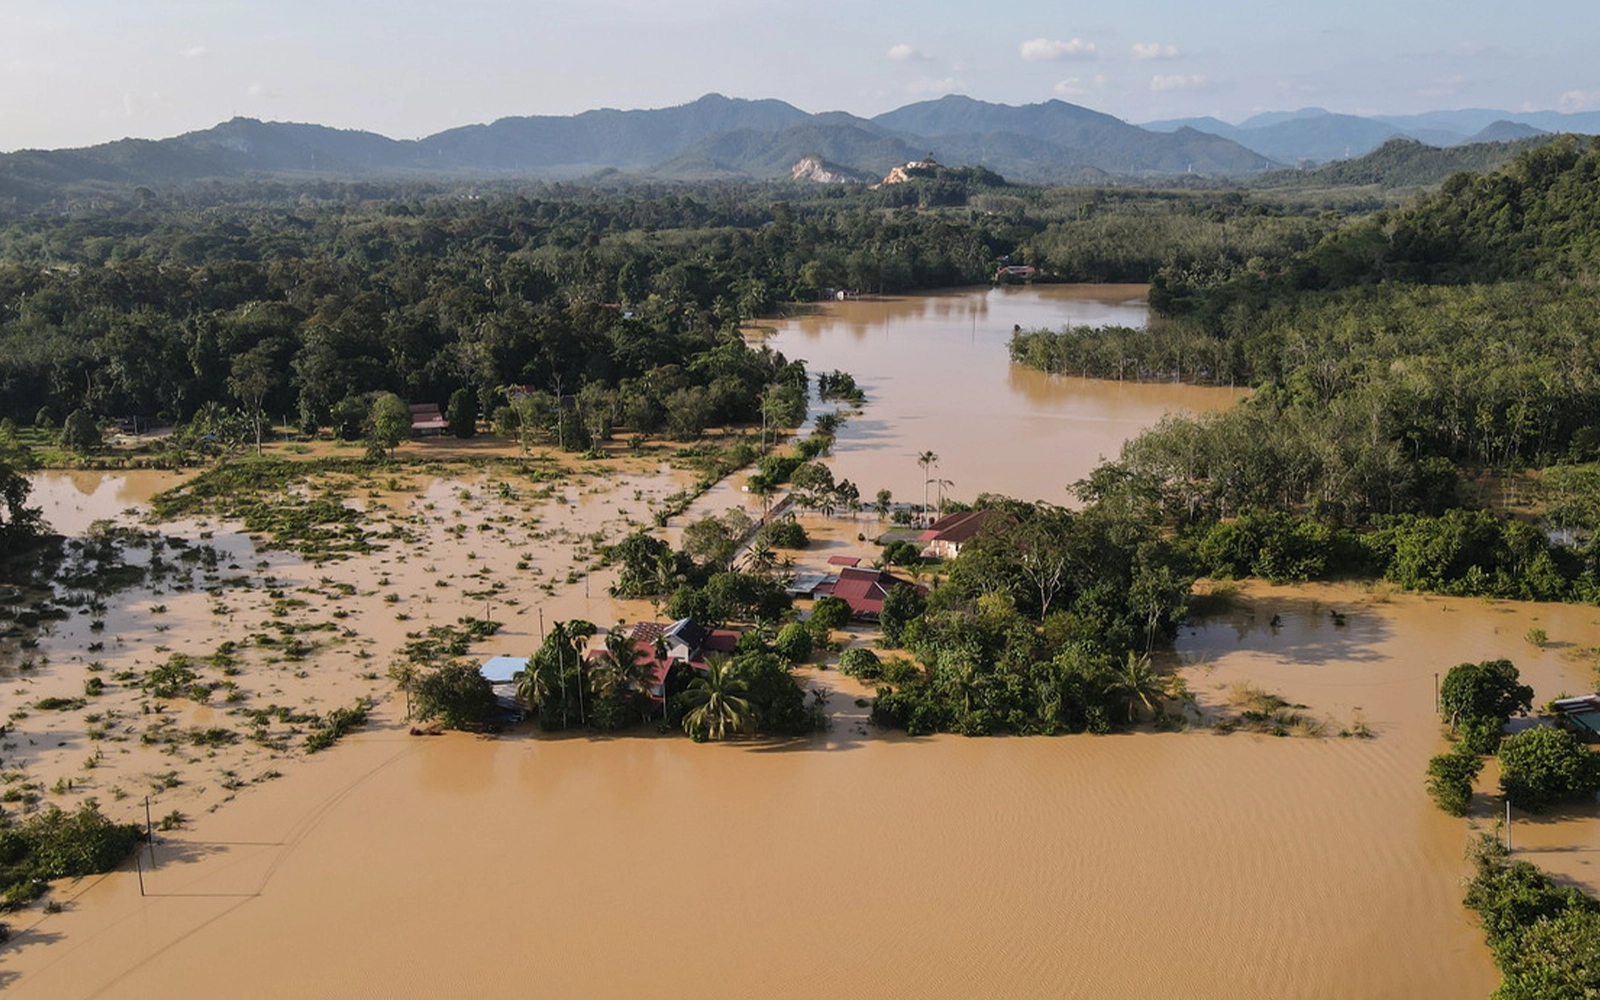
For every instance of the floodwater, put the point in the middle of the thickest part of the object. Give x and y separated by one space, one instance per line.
938 377
1188 864
853 864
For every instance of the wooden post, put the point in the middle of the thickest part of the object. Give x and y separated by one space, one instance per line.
138 866
1436 692
1508 826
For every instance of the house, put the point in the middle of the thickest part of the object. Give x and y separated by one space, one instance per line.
1582 715
863 589
427 420
945 537
683 641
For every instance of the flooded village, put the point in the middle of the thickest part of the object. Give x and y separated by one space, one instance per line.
1199 858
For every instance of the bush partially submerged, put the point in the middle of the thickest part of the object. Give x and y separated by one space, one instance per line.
57 844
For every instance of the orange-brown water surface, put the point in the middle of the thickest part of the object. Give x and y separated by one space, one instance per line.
938 377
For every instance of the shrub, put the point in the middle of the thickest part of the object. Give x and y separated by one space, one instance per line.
861 663
793 643
831 613
1546 765
1450 777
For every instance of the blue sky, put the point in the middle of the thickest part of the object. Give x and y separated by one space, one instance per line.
74 72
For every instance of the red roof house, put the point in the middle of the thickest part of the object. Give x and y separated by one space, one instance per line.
864 590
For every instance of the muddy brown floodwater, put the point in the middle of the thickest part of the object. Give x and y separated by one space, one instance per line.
859 864
938 378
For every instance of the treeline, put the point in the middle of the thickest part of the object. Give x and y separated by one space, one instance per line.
145 310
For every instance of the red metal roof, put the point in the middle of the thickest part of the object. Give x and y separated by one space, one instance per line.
844 560
864 589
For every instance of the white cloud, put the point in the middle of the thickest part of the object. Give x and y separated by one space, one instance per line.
1046 49
195 52
1577 100
1153 50
1160 83
1075 87
904 53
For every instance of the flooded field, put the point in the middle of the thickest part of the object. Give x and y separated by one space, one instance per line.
853 863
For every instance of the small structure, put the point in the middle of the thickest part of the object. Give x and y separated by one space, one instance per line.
1582 715
426 420
808 584
844 560
862 588
501 673
945 537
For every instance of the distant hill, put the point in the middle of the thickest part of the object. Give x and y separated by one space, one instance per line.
1504 131
1320 136
1403 163
1065 134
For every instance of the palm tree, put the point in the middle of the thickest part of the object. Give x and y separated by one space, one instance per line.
1137 681
578 633
622 663
535 686
927 459
717 703
760 557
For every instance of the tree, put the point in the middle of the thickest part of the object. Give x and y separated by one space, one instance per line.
537 683
793 643
901 606
716 705
80 432
19 523
881 504
927 460
388 422
1543 766
254 376
1137 683
456 694
462 413
1489 690
830 613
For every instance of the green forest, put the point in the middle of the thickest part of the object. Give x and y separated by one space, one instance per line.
1424 379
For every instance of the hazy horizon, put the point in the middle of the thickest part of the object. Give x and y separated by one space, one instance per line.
94 71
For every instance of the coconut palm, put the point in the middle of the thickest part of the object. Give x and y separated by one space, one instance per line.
927 460
622 664
717 704
535 684
1137 681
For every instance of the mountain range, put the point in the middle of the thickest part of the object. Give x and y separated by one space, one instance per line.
720 137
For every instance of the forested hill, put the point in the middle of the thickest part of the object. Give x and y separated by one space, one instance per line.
1404 163
1537 217
714 136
